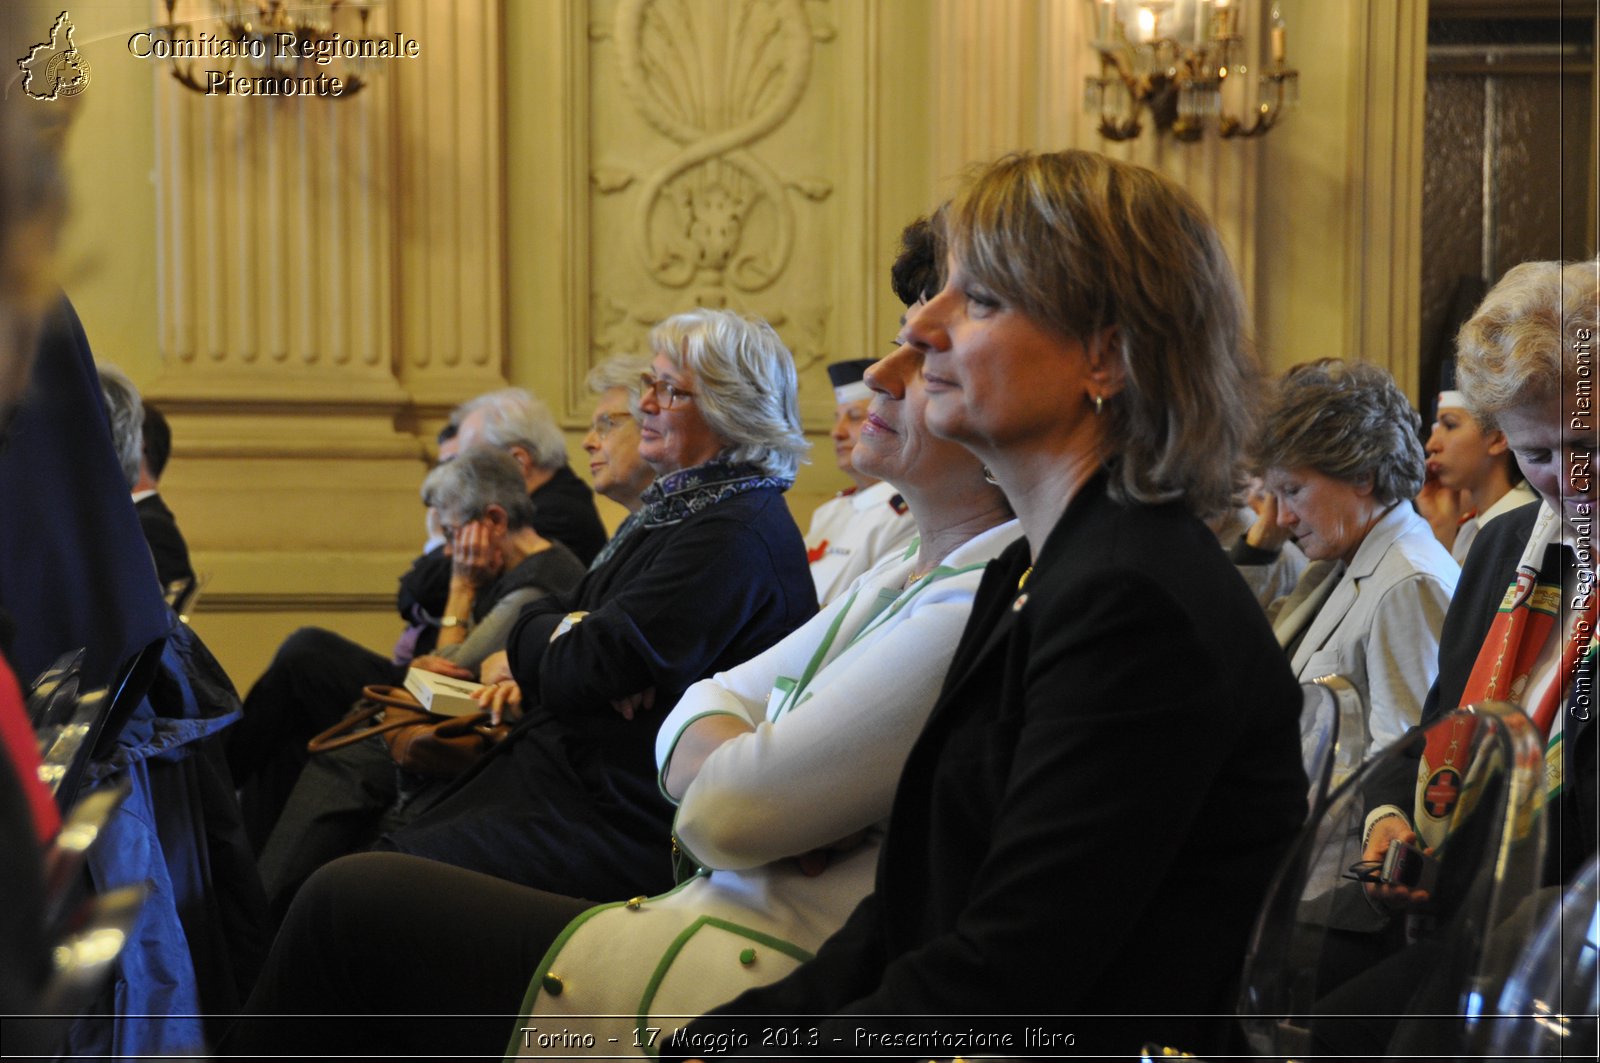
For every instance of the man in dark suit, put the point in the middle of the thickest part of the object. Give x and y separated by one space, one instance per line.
167 544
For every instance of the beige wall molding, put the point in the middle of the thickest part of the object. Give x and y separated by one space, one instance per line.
1340 198
1011 79
298 603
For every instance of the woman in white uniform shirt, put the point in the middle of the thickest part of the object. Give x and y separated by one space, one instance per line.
1472 476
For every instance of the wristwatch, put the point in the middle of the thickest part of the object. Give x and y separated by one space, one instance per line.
453 621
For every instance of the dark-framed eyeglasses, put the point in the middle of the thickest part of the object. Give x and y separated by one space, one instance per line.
666 393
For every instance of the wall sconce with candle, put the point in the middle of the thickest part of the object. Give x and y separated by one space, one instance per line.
262 38
1185 63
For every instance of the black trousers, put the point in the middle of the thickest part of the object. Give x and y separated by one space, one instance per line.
314 679
386 955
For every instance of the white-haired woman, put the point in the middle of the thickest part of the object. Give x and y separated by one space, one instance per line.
612 443
715 573
1340 457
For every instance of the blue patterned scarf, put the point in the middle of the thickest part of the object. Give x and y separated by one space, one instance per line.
687 492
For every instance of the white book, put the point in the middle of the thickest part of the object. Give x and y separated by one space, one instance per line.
441 694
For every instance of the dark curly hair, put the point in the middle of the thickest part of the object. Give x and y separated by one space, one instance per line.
917 272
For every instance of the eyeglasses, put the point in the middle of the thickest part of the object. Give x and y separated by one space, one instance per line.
666 393
606 423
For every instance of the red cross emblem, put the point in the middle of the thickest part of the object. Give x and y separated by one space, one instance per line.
1441 792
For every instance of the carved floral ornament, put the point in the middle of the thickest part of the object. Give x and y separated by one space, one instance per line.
714 77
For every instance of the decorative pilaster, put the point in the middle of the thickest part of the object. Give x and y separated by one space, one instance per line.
450 175
1383 245
328 252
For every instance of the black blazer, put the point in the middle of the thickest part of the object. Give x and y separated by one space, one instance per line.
160 527
1091 816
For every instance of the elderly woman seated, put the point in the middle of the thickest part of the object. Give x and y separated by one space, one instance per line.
499 564
714 574
1523 359
1340 456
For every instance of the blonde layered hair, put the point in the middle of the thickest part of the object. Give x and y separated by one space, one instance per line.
1527 335
1086 246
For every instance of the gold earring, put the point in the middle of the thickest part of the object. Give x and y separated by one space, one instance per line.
1099 405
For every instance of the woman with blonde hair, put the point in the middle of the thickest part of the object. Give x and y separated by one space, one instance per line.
1088 821
1526 362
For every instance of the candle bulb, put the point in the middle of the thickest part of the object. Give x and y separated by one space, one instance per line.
1280 37
1105 17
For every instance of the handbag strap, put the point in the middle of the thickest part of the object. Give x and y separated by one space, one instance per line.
374 700
394 697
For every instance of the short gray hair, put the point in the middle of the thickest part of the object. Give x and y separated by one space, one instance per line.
1524 338
126 411
1347 420
462 489
747 388
514 418
619 371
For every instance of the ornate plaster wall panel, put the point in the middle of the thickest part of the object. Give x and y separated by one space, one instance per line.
724 171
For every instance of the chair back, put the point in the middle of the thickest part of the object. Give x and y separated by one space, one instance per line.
1333 970
1319 737
1351 740
74 726
1549 1003
63 717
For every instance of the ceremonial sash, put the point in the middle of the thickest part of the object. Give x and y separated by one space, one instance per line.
1528 613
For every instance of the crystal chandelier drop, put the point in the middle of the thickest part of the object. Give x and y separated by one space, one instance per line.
1186 63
